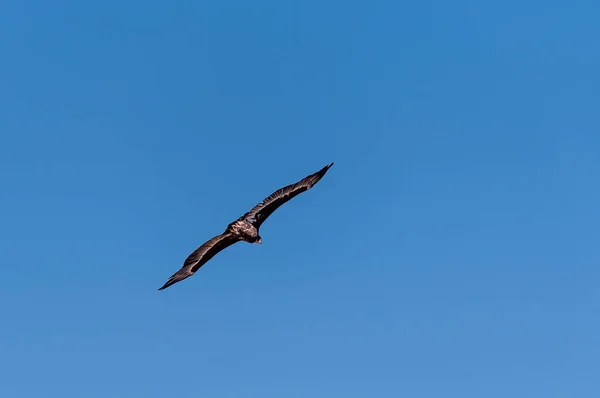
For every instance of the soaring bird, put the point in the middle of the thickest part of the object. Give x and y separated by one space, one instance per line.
246 228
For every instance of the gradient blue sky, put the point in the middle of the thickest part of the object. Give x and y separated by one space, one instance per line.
452 251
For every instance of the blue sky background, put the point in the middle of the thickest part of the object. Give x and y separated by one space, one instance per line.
452 251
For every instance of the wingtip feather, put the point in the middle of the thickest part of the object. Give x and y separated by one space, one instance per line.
176 277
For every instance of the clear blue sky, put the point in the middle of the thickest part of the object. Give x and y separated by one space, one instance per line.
452 251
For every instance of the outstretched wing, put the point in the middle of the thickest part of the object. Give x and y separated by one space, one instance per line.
200 256
264 209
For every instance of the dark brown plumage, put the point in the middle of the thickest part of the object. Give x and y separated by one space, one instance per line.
246 228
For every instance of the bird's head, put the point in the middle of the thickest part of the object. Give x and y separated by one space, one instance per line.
258 240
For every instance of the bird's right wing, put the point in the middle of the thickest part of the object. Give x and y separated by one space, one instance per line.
200 256
259 213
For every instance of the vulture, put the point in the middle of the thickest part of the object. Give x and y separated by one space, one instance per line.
246 228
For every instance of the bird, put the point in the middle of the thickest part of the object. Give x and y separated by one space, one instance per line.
245 228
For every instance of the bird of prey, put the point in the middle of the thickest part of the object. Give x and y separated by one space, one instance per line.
246 228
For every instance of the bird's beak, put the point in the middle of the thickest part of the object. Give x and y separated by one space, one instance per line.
259 241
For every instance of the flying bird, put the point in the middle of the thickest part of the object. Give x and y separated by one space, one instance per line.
246 228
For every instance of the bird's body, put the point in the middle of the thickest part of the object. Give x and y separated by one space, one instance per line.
246 228
243 230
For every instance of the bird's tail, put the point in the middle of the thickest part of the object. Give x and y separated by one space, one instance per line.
176 277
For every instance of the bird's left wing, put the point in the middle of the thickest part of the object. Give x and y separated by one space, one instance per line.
200 256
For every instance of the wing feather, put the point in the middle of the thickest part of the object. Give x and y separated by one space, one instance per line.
200 256
259 213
